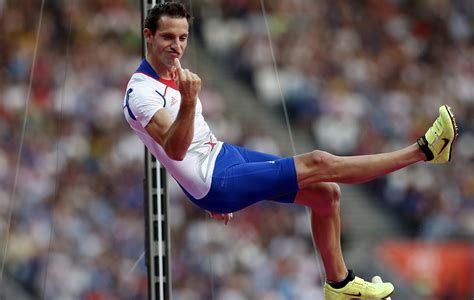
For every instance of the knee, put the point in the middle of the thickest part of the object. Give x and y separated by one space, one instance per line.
320 158
332 195
331 201
326 200
318 166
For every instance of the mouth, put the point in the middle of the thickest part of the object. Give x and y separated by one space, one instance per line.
175 54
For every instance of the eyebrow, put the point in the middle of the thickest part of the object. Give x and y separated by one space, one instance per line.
167 33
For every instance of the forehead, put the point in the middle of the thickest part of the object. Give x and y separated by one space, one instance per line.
173 25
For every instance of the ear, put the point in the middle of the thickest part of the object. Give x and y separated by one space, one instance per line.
147 34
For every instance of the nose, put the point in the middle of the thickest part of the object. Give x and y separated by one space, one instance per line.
176 45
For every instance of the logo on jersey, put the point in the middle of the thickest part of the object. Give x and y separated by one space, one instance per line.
173 100
211 143
205 150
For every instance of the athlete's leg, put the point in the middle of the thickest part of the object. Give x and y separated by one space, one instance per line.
320 166
435 147
323 199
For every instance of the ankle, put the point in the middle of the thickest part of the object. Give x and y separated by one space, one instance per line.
340 284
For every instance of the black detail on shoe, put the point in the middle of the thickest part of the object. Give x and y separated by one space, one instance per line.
354 295
339 285
423 144
446 141
455 127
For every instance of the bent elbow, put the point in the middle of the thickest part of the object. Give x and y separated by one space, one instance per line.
175 150
176 155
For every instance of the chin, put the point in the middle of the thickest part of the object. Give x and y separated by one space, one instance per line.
170 62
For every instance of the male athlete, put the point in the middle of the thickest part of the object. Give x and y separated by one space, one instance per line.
162 106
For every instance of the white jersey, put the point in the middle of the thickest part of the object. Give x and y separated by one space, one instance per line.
146 94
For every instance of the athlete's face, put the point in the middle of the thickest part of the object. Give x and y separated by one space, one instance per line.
169 41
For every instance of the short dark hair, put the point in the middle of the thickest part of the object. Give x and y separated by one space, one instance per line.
170 9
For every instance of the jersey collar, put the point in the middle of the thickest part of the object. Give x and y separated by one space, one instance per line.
147 69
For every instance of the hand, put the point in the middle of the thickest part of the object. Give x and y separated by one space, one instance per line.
225 217
189 84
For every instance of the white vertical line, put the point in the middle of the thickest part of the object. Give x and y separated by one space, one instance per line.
288 125
12 200
159 199
160 224
160 232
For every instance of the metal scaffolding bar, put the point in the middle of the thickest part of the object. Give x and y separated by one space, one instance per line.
157 233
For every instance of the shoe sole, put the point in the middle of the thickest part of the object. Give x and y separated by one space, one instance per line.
455 128
388 296
339 296
362 298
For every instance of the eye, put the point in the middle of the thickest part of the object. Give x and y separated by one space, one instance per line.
167 36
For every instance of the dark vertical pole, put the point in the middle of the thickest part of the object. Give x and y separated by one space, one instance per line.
157 243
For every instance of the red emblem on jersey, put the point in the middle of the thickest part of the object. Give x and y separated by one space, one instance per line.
211 143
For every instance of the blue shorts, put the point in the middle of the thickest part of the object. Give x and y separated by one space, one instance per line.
243 177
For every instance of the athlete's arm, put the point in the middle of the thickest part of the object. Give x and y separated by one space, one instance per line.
176 137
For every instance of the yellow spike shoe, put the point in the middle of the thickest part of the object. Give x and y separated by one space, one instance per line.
359 289
437 143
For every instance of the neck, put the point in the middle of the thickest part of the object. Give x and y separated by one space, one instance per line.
163 70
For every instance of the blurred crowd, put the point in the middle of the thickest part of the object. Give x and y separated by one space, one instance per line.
71 222
365 76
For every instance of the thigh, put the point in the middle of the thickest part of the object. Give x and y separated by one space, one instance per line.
268 180
256 156
243 177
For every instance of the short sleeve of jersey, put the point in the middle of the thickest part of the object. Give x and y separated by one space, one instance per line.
144 101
